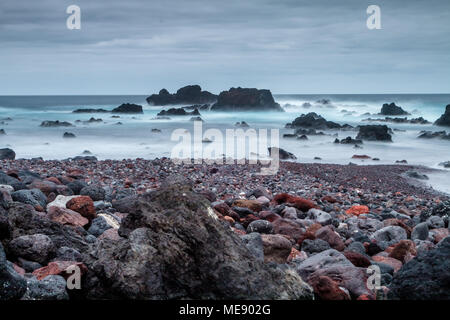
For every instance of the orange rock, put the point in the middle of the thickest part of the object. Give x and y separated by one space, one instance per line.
229 219
294 253
83 205
253 205
357 210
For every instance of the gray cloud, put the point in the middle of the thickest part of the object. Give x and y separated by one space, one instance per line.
289 46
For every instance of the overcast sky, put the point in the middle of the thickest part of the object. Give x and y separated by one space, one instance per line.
288 46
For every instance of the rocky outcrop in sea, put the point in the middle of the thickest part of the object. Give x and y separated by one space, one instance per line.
192 94
246 99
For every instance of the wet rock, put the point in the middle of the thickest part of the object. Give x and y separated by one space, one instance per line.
392 110
444 120
128 108
245 99
192 94
281 153
57 123
313 121
7 154
374 133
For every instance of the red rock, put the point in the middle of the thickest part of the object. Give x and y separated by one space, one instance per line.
357 210
404 251
357 259
54 180
46 187
58 268
276 248
298 202
361 156
269 216
66 216
327 289
394 263
329 199
253 205
307 235
365 297
439 234
113 234
83 205
288 227
327 234
237 231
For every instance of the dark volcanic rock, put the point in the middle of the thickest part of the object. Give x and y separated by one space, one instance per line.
245 99
178 112
128 108
374 133
57 123
187 95
175 247
90 111
392 110
12 285
314 121
425 277
444 120
69 135
282 154
7 154
432 135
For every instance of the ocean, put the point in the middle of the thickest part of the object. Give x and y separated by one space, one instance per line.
134 138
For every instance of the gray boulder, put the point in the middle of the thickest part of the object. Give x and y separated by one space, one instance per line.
36 247
52 287
12 285
7 154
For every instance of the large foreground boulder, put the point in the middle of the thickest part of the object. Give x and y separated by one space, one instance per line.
173 246
426 277
374 133
187 95
444 120
246 99
392 110
12 285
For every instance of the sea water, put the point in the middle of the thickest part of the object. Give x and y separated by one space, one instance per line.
134 138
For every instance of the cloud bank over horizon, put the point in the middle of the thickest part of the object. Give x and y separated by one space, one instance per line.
288 46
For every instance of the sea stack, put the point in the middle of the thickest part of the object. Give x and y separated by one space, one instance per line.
246 99
444 120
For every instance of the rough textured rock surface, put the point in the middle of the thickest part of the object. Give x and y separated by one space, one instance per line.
187 95
173 246
374 133
12 285
426 277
